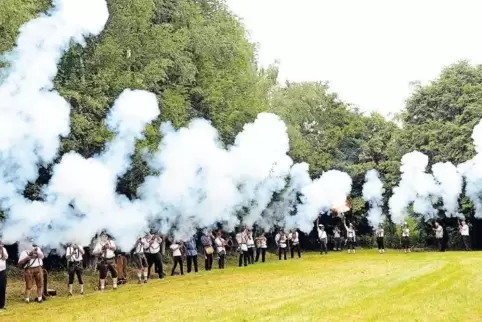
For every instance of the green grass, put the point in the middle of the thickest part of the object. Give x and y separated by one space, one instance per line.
338 287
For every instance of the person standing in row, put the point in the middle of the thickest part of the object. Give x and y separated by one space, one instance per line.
191 255
74 254
464 232
221 249
261 246
106 250
242 240
140 259
379 233
406 238
323 239
351 236
294 239
154 256
250 244
439 236
31 261
207 242
3 276
281 242
176 247
337 239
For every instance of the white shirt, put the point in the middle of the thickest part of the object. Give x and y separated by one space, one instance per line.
106 253
262 242
405 232
321 233
294 239
380 232
176 249
464 231
250 241
350 233
280 240
73 254
155 245
34 262
439 232
336 234
219 244
3 260
140 246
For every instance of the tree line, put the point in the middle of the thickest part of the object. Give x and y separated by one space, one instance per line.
195 56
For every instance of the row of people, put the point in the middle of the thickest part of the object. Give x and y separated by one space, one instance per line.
147 254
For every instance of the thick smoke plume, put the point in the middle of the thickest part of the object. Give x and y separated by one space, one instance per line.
471 170
200 182
323 194
33 116
450 186
373 194
280 211
416 188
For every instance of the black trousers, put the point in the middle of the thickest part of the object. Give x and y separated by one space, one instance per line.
177 260
281 250
3 288
156 260
190 261
75 268
243 256
221 259
405 242
297 247
262 252
208 261
380 243
324 248
466 240
441 244
107 266
350 243
250 255
337 245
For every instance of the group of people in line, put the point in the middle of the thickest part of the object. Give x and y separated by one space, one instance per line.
146 254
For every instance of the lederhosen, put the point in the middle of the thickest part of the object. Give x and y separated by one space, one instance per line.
33 274
75 266
140 258
107 264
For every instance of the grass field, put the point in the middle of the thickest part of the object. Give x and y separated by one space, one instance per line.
367 286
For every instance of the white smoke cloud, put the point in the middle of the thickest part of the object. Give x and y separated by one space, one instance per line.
279 212
33 116
416 187
450 184
201 183
81 198
329 191
471 170
373 194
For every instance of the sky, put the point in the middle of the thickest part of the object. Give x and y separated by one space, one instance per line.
369 50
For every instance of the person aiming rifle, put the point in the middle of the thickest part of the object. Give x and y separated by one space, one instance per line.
281 242
439 235
140 259
74 254
350 236
105 249
464 232
405 238
31 261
